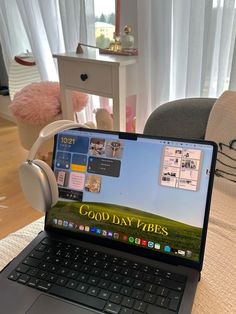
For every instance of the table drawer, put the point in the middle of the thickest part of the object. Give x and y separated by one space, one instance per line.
88 76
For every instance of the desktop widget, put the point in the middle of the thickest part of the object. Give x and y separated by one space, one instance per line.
81 163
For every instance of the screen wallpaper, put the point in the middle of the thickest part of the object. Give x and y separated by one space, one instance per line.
146 192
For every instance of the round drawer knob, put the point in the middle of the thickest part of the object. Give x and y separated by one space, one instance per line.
83 77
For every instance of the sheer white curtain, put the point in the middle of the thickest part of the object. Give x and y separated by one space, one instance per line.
13 37
185 50
45 27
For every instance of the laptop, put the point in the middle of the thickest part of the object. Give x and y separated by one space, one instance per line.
128 232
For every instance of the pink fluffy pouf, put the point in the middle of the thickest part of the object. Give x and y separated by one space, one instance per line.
39 103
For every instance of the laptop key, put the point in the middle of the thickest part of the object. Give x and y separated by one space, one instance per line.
104 256
114 287
174 285
85 268
128 281
116 298
126 291
44 266
168 275
148 277
31 261
174 304
72 284
62 271
78 297
33 282
138 284
72 274
175 295
37 254
42 274
41 247
61 281
135 265
104 284
116 278
126 271
150 298
93 280
150 288
32 271
115 269
52 268
82 277
163 302
114 259
112 308
146 269
137 275
106 274
138 294
47 241
22 269
161 281
51 278
43 285
104 294
140 306
82 287
93 291
95 271
14 276
23 279
128 302
162 291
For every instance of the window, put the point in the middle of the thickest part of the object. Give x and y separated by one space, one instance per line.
105 22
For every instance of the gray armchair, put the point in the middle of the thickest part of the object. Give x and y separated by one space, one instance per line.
183 118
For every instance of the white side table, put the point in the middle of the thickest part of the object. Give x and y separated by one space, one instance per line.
103 75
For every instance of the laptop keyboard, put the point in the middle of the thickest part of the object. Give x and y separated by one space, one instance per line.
98 280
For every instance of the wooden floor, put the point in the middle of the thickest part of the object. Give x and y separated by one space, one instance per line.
15 212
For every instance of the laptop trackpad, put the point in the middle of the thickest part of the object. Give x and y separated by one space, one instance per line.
50 305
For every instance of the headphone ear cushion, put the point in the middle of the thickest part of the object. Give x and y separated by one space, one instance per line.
38 184
51 180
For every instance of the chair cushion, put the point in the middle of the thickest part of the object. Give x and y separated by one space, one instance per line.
183 118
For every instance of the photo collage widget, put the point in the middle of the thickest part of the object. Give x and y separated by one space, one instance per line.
180 168
80 167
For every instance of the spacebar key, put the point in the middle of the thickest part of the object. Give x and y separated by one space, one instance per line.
77 297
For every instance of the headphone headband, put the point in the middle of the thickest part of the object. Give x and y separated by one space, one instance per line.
37 179
50 130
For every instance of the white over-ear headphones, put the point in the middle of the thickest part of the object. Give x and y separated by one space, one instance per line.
37 179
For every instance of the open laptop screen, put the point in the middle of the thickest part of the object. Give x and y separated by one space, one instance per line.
145 192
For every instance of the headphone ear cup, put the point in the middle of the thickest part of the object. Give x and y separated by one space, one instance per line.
51 180
38 184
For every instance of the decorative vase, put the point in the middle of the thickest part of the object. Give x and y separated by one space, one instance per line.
127 39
